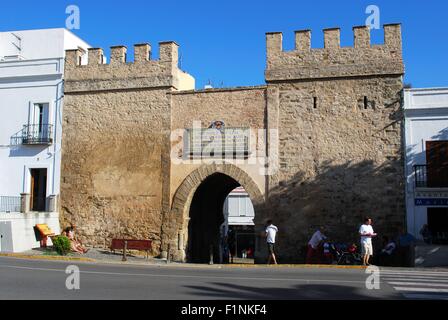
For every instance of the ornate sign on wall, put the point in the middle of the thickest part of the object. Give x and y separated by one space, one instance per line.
217 141
218 125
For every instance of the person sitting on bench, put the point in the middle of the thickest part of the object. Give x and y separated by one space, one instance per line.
75 245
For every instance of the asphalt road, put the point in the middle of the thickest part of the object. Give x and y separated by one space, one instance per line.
34 279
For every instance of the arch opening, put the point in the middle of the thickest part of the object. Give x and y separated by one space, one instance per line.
206 235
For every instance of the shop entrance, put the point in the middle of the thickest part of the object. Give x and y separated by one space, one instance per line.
438 224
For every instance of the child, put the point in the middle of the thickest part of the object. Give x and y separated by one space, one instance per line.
328 256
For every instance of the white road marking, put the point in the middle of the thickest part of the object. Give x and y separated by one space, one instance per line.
427 296
416 279
410 289
411 273
419 284
187 276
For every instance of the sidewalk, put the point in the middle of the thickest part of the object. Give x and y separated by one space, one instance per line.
104 256
430 256
94 255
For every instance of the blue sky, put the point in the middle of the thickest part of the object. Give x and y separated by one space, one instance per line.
224 41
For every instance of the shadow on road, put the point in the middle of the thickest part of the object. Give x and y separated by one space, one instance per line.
298 292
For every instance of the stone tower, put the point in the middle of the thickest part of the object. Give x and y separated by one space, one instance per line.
338 111
116 147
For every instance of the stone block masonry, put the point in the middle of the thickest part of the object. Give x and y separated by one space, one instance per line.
340 133
335 111
115 171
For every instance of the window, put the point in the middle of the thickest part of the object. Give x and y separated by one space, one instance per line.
40 116
365 103
437 163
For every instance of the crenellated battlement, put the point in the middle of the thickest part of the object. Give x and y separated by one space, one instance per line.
119 73
168 53
334 61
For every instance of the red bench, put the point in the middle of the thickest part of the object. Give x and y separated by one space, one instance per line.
129 244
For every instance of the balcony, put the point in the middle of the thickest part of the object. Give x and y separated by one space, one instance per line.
37 134
431 177
10 204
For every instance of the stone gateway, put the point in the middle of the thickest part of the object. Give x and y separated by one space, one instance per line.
147 156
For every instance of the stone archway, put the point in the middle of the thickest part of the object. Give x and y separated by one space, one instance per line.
175 225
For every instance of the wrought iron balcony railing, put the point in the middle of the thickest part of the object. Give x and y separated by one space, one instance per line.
37 134
10 204
431 176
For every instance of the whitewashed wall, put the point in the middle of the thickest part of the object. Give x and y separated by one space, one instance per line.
35 77
17 230
238 208
426 119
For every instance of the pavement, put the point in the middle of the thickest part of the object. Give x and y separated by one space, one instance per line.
438 259
105 256
25 279
431 255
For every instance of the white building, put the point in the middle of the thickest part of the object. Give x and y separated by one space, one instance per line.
426 141
238 208
239 217
31 93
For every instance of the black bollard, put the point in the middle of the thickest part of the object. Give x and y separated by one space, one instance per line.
168 256
124 251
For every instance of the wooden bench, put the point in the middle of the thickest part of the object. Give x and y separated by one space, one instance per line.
128 244
44 232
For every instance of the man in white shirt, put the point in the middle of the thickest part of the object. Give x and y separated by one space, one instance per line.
313 254
271 234
366 232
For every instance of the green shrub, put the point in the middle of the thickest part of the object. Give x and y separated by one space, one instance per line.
62 245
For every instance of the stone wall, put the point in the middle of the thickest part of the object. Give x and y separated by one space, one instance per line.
340 129
237 107
334 144
115 162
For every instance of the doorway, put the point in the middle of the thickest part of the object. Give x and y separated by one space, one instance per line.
206 218
239 214
6 244
438 224
38 190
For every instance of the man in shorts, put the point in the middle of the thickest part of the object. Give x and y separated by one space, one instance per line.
366 232
271 233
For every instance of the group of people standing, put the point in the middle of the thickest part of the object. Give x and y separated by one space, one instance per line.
315 252
403 246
